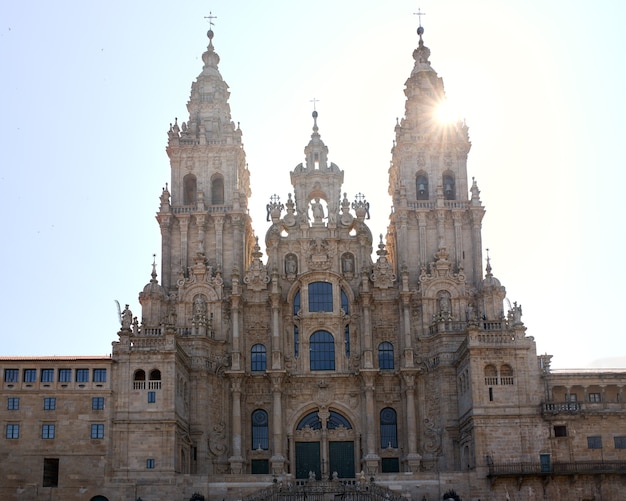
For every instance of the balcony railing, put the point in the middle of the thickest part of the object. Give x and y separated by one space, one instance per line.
559 407
557 468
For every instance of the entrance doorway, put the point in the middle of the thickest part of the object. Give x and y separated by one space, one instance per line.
324 445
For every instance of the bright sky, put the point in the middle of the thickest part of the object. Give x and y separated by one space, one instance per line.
89 90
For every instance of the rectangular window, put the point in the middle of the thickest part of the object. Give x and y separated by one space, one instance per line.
560 431
259 467
620 442
47 431
97 431
82 375
30 375
49 403
150 464
99 375
65 375
97 403
572 397
50 472
13 431
13 403
594 442
11 375
390 465
151 397
320 296
47 375
594 397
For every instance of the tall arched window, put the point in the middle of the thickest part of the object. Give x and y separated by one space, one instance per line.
388 428
260 430
190 188
217 190
421 186
258 358
322 351
385 355
449 190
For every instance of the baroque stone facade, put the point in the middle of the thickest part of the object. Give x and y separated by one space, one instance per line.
410 369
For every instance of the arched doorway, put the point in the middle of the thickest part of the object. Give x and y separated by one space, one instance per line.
324 444
99 498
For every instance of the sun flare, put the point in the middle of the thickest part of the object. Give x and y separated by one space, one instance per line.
446 113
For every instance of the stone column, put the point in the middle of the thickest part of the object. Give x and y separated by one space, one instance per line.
277 460
371 459
236 460
234 300
368 356
183 222
276 344
324 414
200 221
412 458
165 222
218 221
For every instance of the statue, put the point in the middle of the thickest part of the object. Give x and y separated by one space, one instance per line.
347 263
318 210
291 264
126 318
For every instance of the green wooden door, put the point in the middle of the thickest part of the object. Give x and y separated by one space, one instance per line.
341 459
307 459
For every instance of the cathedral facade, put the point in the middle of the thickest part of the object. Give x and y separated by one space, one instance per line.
332 356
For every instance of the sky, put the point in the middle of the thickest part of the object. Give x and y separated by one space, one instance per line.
89 89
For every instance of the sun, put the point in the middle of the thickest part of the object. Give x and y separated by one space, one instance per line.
446 113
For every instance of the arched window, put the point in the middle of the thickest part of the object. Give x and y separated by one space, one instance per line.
217 190
320 296
449 190
345 305
155 375
322 351
258 357
421 186
140 375
336 420
506 374
296 336
311 420
385 355
296 303
491 375
190 188
388 428
260 430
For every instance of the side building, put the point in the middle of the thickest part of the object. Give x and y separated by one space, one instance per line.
335 361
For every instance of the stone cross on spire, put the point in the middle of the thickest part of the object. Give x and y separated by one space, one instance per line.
210 17
419 14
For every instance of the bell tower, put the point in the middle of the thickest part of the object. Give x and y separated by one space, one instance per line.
203 214
428 181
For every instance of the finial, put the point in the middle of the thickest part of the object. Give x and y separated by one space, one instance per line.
419 14
154 273
314 114
210 17
488 264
